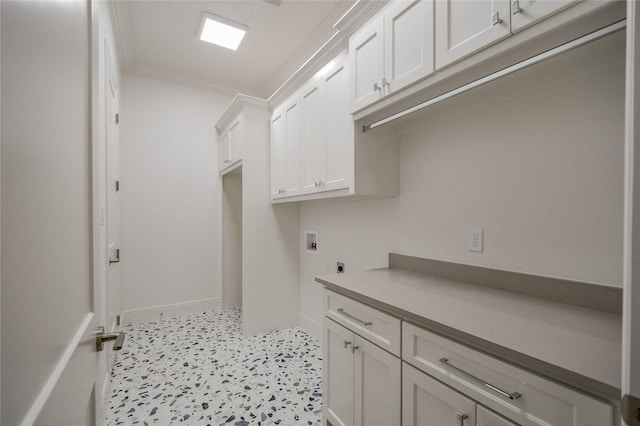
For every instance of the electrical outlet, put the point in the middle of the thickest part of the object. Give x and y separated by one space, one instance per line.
475 241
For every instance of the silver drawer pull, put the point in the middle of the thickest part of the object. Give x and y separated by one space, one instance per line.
365 323
512 395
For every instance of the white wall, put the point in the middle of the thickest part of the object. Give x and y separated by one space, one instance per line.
170 192
536 160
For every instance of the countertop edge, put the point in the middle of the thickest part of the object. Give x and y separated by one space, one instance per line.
549 371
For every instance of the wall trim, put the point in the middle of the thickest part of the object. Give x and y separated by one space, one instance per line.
157 313
38 404
310 325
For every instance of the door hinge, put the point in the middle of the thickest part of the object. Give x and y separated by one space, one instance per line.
117 185
630 409
117 118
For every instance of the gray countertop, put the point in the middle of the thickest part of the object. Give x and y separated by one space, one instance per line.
574 345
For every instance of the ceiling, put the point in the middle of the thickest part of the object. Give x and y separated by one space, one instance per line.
160 39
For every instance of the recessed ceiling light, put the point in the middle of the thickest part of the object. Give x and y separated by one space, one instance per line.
221 31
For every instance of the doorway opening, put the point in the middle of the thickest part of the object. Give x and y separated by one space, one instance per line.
232 239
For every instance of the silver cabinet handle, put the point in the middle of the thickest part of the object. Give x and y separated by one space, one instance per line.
496 18
515 7
512 395
460 418
354 348
346 343
102 337
365 323
385 82
376 87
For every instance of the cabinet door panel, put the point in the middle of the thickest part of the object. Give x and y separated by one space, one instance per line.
409 43
466 26
427 402
235 140
527 12
366 64
377 386
338 374
339 148
278 153
314 142
489 418
293 138
224 150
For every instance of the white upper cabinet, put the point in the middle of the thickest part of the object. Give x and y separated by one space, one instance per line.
391 52
527 12
465 26
409 45
278 155
230 142
337 153
292 135
314 137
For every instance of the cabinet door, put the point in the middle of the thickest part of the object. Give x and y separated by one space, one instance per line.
339 143
466 26
235 137
409 42
376 385
366 65
428 402
314 136
293 139
527 12
224 149
489 418
278 155
338 374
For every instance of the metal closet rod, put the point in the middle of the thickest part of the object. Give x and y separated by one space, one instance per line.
503 72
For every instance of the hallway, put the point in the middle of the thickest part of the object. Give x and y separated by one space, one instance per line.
199 370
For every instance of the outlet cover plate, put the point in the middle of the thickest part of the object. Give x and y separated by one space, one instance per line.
475 241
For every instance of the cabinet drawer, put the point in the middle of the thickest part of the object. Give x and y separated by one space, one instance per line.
376 326
524 397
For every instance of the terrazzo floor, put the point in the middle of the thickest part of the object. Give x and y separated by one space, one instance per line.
199 370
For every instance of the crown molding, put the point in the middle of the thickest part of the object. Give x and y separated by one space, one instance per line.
359 13
237 105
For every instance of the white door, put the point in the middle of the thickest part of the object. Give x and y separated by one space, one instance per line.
338 374
631 312
339 146
427 402
366 65
314 137
489 418
278 155
466 26
51 301
409 43
293 140
377 389
114 270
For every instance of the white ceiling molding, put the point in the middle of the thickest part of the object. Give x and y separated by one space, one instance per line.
321 36
346 24
185 79
121 19
238 102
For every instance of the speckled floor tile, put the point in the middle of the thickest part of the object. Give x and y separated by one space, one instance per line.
199 370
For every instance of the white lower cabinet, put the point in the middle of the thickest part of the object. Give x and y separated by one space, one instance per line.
485 417
436 381
427 402
361 385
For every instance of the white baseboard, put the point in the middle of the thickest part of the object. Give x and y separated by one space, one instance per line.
310 325
157 313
